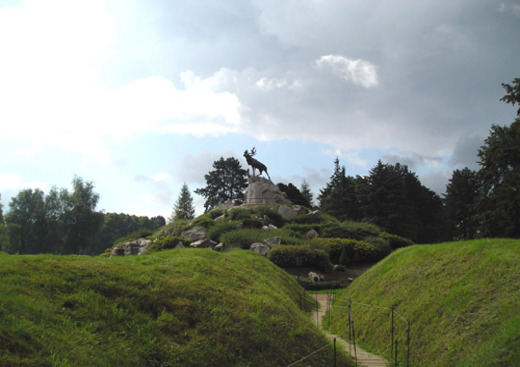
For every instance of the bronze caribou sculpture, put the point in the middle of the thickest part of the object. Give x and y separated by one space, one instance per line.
255 164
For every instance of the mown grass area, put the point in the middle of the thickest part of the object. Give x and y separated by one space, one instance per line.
462 299
171 308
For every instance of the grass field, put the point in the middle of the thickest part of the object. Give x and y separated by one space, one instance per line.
462 300
171 308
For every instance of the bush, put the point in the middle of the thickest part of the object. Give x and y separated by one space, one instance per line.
395 241
252 223
381 247
216 231
142 233
204 220
240 213
346 251
302 229
271 213
286 256
175 228
168 242
215 213
355 230
243 238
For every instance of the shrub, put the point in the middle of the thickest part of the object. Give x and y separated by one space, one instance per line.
355 230
272 213
252 223
142 233
219 229
243 238
215 213
204 220
381 247
175 228
346 251
240 213
302 229
286 256
168 242
395 241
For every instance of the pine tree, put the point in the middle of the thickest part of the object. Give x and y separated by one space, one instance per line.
183 208
306 192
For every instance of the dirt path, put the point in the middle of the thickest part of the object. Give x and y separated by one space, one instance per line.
364 358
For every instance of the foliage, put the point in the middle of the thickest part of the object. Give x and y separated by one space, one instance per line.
240 213
168 242
270 212
349 229
395 241
499 175
171 308
243 238
142 233
345 251
294 195
306 193
460 202
226 182
204 221
184 207
175 228
287 256
215 232
461 298
513 94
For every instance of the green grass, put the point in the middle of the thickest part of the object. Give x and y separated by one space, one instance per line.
172 308
462 299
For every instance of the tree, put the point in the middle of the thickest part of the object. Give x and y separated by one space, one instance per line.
306 192
183 208
293 194
26 223
499 175
339 198
80 220
226 182
460 202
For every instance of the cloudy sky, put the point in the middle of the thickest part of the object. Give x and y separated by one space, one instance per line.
140 96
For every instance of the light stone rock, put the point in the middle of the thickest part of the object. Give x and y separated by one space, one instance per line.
273 241
287 212
219 247
311 234
264 191
204 243
260 248
195 234
136 247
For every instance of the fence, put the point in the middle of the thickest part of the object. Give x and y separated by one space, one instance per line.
395 341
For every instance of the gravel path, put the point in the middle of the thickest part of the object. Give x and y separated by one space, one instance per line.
364 358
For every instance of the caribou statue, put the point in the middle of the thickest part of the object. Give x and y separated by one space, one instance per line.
254 163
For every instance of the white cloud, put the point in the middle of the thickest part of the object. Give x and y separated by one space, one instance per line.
13 181
267 85
360 72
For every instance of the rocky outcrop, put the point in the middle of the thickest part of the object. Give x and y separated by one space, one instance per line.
195 234
263 191
136 247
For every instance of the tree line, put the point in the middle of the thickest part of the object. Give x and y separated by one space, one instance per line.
65 222
483 203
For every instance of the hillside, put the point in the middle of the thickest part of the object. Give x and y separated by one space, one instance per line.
170 308
462 299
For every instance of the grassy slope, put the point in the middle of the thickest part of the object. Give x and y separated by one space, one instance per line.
462 299
172 308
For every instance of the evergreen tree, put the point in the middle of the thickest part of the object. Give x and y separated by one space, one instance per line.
460 202
293 194
226 182
306 193
339 198
499 175
183 208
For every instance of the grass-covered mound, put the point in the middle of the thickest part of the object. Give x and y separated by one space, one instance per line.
170 308
462 299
